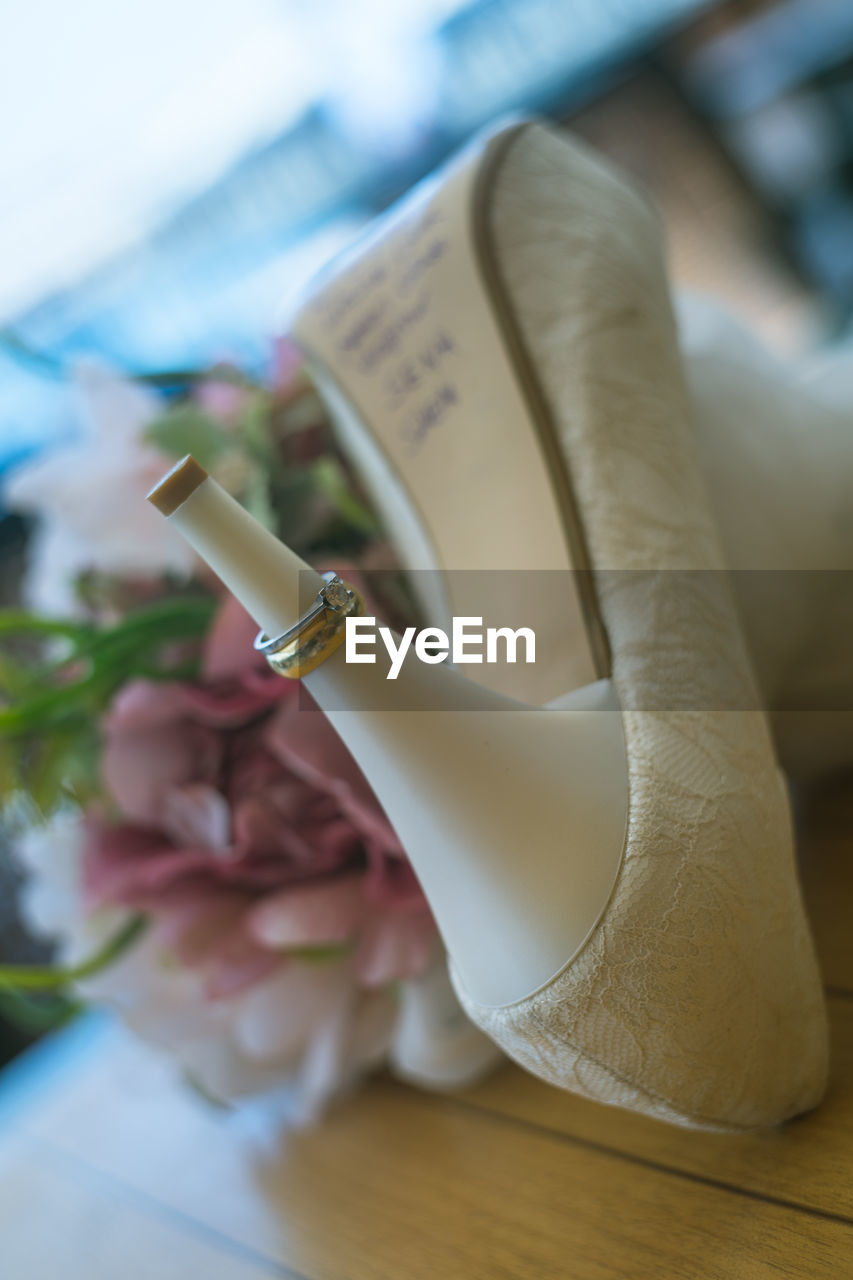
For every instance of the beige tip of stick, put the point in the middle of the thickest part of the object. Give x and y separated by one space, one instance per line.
177 485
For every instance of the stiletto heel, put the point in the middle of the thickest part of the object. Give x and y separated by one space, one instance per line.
474 783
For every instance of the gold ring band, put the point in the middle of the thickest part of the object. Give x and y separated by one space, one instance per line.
310 642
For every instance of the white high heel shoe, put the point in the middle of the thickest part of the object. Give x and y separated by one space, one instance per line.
664 962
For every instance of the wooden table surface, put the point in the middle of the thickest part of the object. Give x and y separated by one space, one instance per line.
109 1171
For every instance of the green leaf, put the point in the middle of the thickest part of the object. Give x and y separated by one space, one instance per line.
43 709
187 429
65 762
45 978
15 678
203 1093
82 682
255 429
257 500
39 1015
319 954
11 770
20 621
329 479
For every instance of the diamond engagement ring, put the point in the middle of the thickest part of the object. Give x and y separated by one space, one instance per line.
317 634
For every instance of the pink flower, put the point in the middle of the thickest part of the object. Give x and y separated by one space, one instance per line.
287 362
222 396
247 831
282 909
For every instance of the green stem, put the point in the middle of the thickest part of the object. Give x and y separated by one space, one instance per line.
45 978
34 1015
36 711
113 653
19 620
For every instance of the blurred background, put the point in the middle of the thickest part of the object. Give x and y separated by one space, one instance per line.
173 172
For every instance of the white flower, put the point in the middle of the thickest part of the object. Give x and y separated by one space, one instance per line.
51 901
90 496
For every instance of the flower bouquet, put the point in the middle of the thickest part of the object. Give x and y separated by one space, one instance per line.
200 844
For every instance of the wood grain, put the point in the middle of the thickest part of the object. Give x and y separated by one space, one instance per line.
110 1170
808 1162
400 1184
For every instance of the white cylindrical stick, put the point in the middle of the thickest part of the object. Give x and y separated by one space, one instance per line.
263 573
